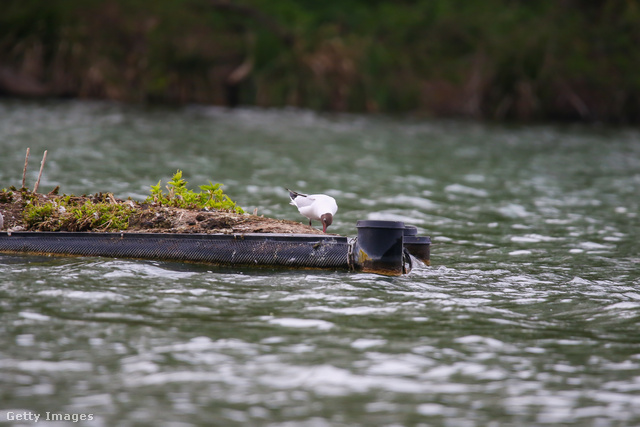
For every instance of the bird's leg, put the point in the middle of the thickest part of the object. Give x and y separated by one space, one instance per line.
309 223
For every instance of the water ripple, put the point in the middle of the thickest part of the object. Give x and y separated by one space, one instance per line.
527 316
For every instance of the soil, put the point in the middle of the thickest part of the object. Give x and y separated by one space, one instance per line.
151 218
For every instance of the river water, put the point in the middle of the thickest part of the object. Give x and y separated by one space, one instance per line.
528 315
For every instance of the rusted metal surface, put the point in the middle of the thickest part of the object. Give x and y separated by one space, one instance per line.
419 247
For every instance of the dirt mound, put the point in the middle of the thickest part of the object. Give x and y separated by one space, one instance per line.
88 213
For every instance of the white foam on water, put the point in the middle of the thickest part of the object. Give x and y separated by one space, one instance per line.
418 202
84 295
291 322
463 189
34 316
356 311
593 246
25 340
533 238
476 339
390 216
46 365
513 210
626 305
433 409
364 343
521 252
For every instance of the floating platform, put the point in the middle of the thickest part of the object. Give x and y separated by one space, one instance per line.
382 247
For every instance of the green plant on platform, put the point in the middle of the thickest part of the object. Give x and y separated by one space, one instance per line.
35 215
66 213
101 216
179 196
6 196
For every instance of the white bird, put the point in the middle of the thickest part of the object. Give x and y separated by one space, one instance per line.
315 206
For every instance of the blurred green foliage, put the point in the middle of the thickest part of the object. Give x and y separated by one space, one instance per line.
495 59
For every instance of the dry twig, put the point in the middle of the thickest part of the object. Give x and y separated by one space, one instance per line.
44 158
24 171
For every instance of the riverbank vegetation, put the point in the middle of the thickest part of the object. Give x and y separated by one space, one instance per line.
481 59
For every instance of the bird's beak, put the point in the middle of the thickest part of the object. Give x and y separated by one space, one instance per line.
324 227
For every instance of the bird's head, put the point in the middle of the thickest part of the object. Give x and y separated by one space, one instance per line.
326 219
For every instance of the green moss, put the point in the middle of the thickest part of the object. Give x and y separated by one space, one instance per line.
69 214
6 196
99 216
35 215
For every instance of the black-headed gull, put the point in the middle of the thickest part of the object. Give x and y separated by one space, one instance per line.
315 206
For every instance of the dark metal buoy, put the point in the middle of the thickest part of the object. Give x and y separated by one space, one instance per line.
419 247
379 247
410 230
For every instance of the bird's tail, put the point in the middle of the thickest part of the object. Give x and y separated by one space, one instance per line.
294 194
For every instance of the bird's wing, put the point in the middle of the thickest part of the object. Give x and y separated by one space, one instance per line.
304 201
326 204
